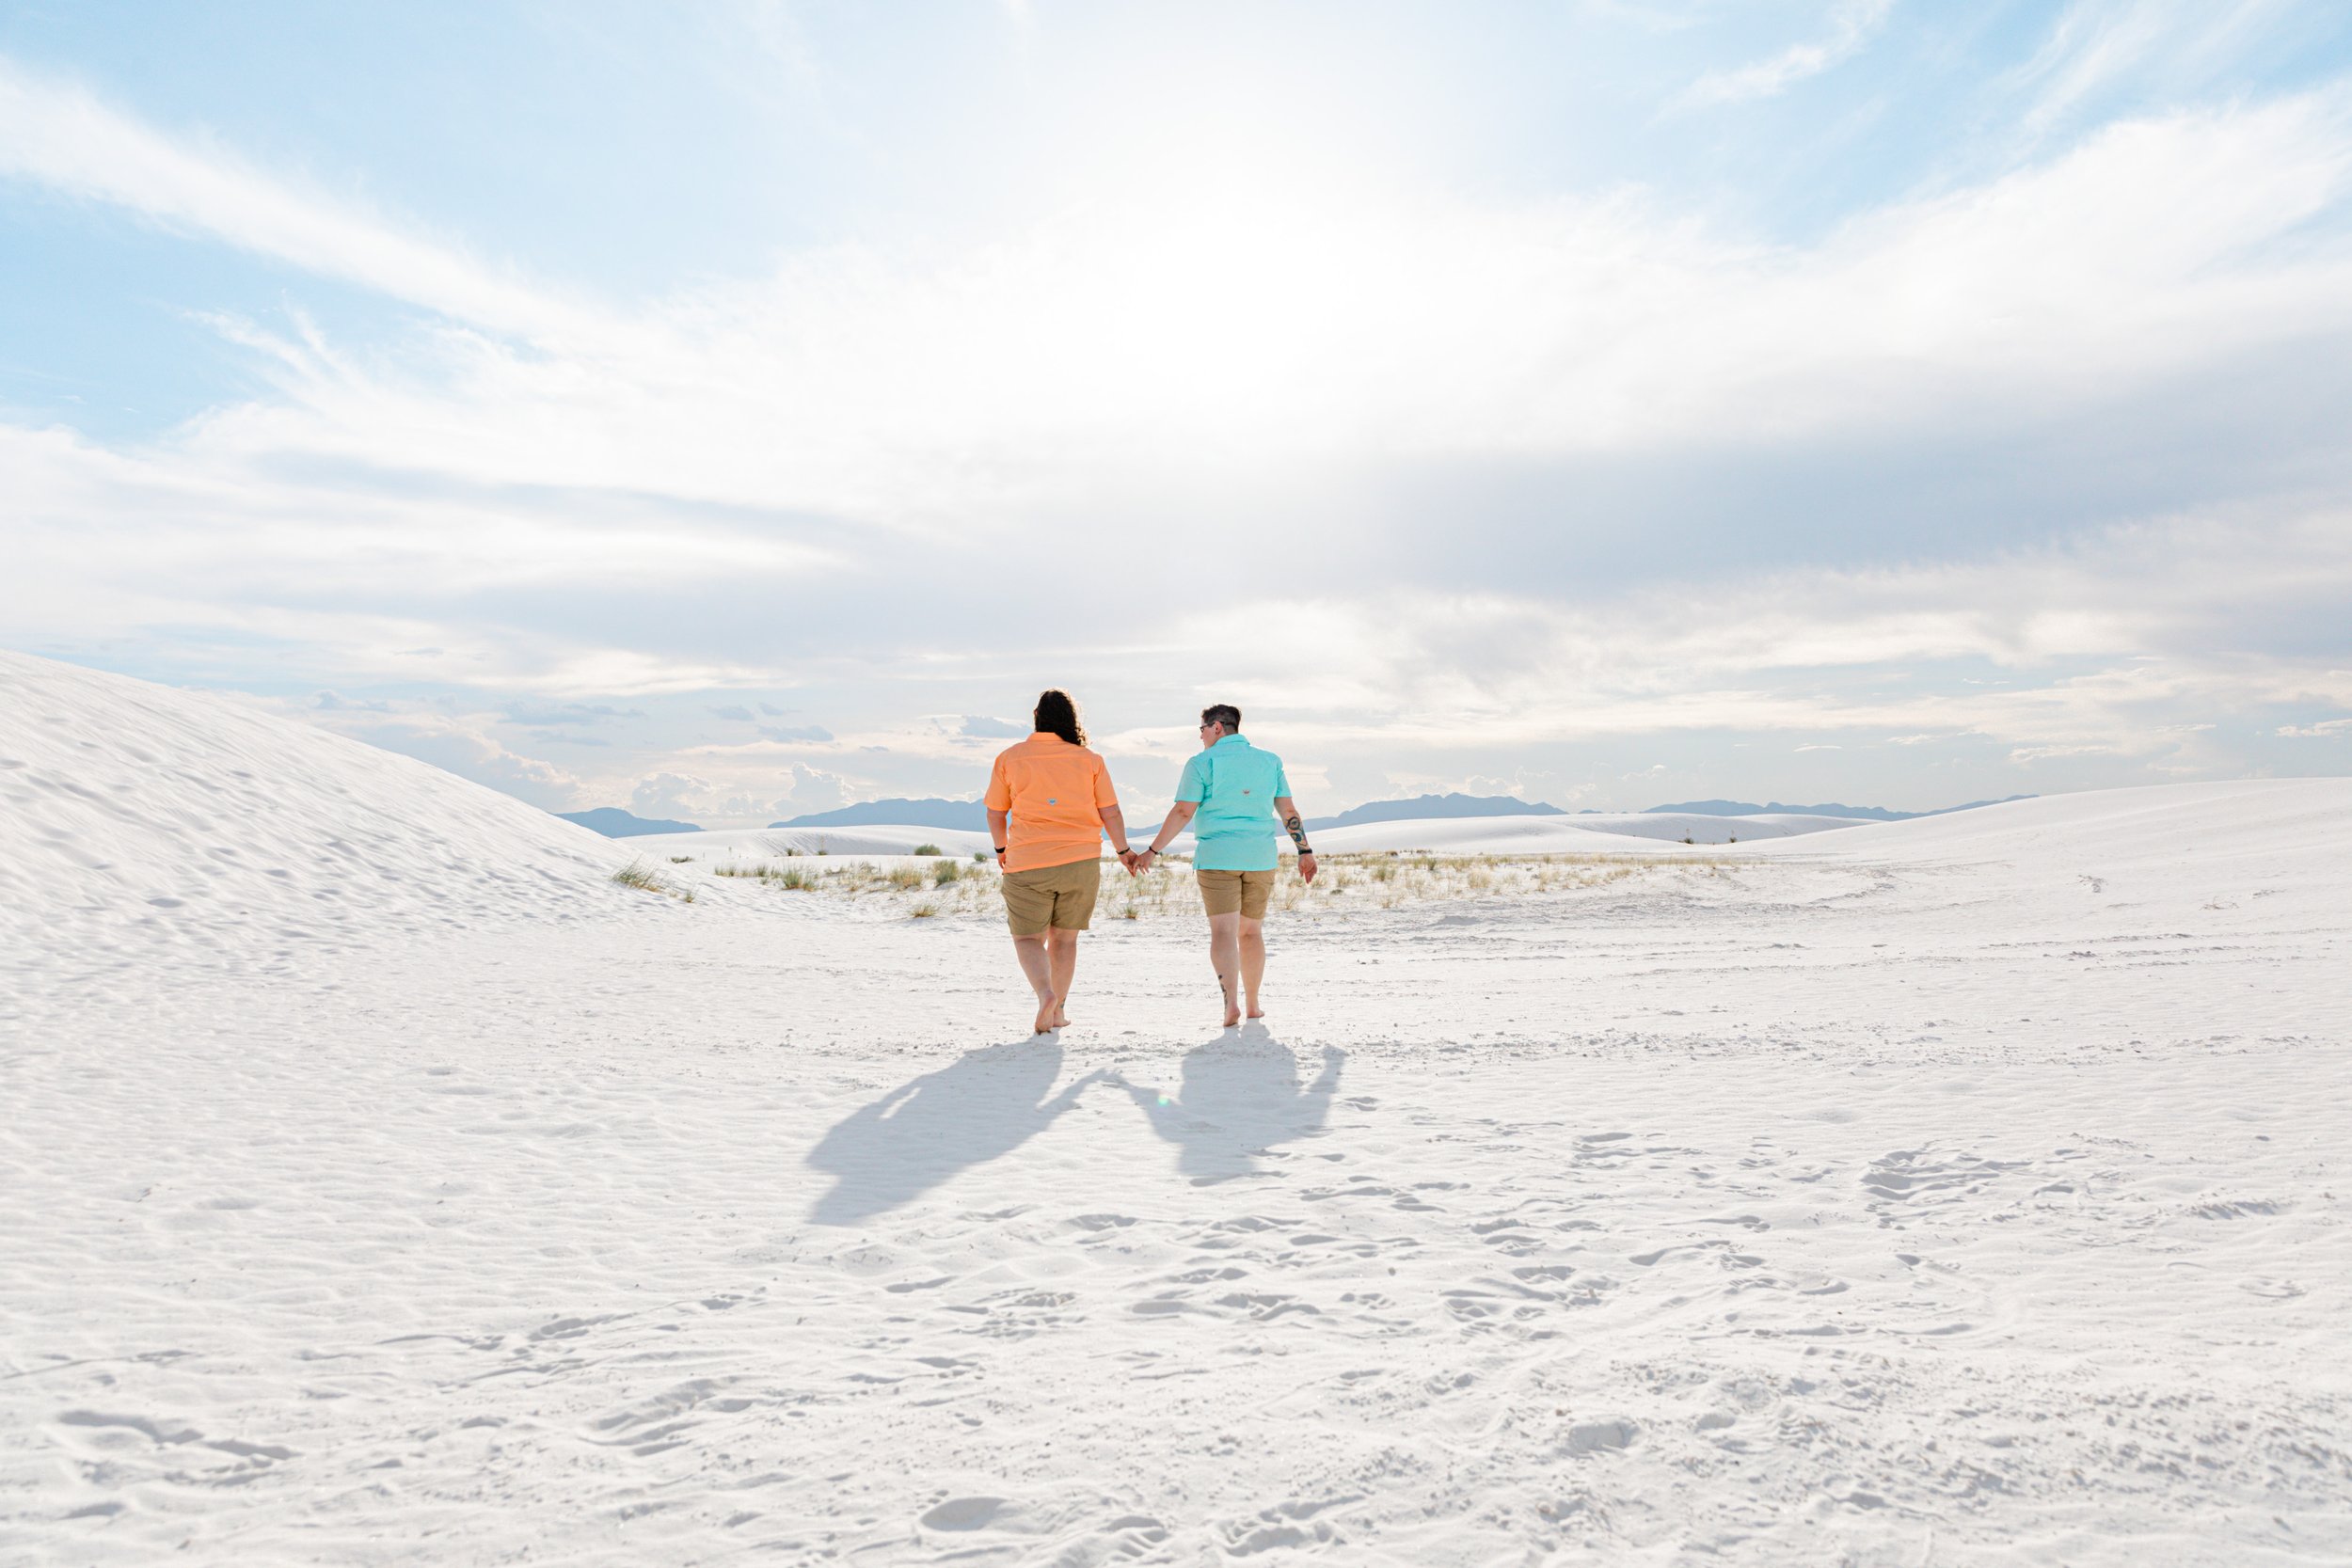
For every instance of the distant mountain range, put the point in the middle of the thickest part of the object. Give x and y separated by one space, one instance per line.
971 816
612 822
1873 814
1424 806
966 816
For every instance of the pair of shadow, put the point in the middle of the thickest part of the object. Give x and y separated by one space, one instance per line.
1240 1094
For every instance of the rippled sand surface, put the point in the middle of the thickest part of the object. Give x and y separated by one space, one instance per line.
1964 1191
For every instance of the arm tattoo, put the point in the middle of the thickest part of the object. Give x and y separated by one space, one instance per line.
1297 832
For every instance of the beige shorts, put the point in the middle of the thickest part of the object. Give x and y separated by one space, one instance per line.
1242 893
1061 896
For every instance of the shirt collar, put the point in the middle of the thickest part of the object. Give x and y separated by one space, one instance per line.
1232 740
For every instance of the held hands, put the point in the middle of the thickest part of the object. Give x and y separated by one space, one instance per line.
1128 858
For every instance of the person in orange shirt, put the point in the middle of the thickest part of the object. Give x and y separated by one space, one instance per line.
1049 802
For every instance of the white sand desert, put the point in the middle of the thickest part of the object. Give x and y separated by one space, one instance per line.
385 1184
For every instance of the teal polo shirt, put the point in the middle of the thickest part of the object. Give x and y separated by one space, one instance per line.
1234 784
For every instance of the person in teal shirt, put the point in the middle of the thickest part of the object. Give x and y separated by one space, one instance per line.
1233 794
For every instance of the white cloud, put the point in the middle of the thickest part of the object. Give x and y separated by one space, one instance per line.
739 791
63 137
2099 47
1257 322
2111 639
1852 23
813 789
1239 324
461 744
542 496
366 581
675 796
2323 727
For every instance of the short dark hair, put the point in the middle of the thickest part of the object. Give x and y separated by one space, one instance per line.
1058 715
1221 713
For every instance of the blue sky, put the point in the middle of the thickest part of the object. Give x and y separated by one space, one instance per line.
735 410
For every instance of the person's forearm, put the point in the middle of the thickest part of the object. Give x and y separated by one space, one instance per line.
1178 815
1115 824
998 822
1286 813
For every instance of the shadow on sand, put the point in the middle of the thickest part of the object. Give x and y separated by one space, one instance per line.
983 1104
1240 1096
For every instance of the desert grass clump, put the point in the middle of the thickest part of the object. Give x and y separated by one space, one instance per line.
924 911
1349 885
927 849
637 874
680 860
793 878
980 856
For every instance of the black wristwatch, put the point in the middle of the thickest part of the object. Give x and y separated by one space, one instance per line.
1000 849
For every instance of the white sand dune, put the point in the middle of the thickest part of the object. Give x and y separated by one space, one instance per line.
143 821
1594 833
759 844
1964 1191
1597 833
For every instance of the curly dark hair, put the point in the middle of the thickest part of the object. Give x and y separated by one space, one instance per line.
1058 715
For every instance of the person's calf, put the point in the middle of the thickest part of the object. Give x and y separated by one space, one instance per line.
1061 948
1036 960
1225 956
1252 944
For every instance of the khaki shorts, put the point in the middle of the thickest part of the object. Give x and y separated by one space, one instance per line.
1061 896
1242 893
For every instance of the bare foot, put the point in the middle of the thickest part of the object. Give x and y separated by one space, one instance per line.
1061 1016
1046 1011
1256 1011
1232 1014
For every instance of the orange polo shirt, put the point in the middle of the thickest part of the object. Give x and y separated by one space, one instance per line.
1053 790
